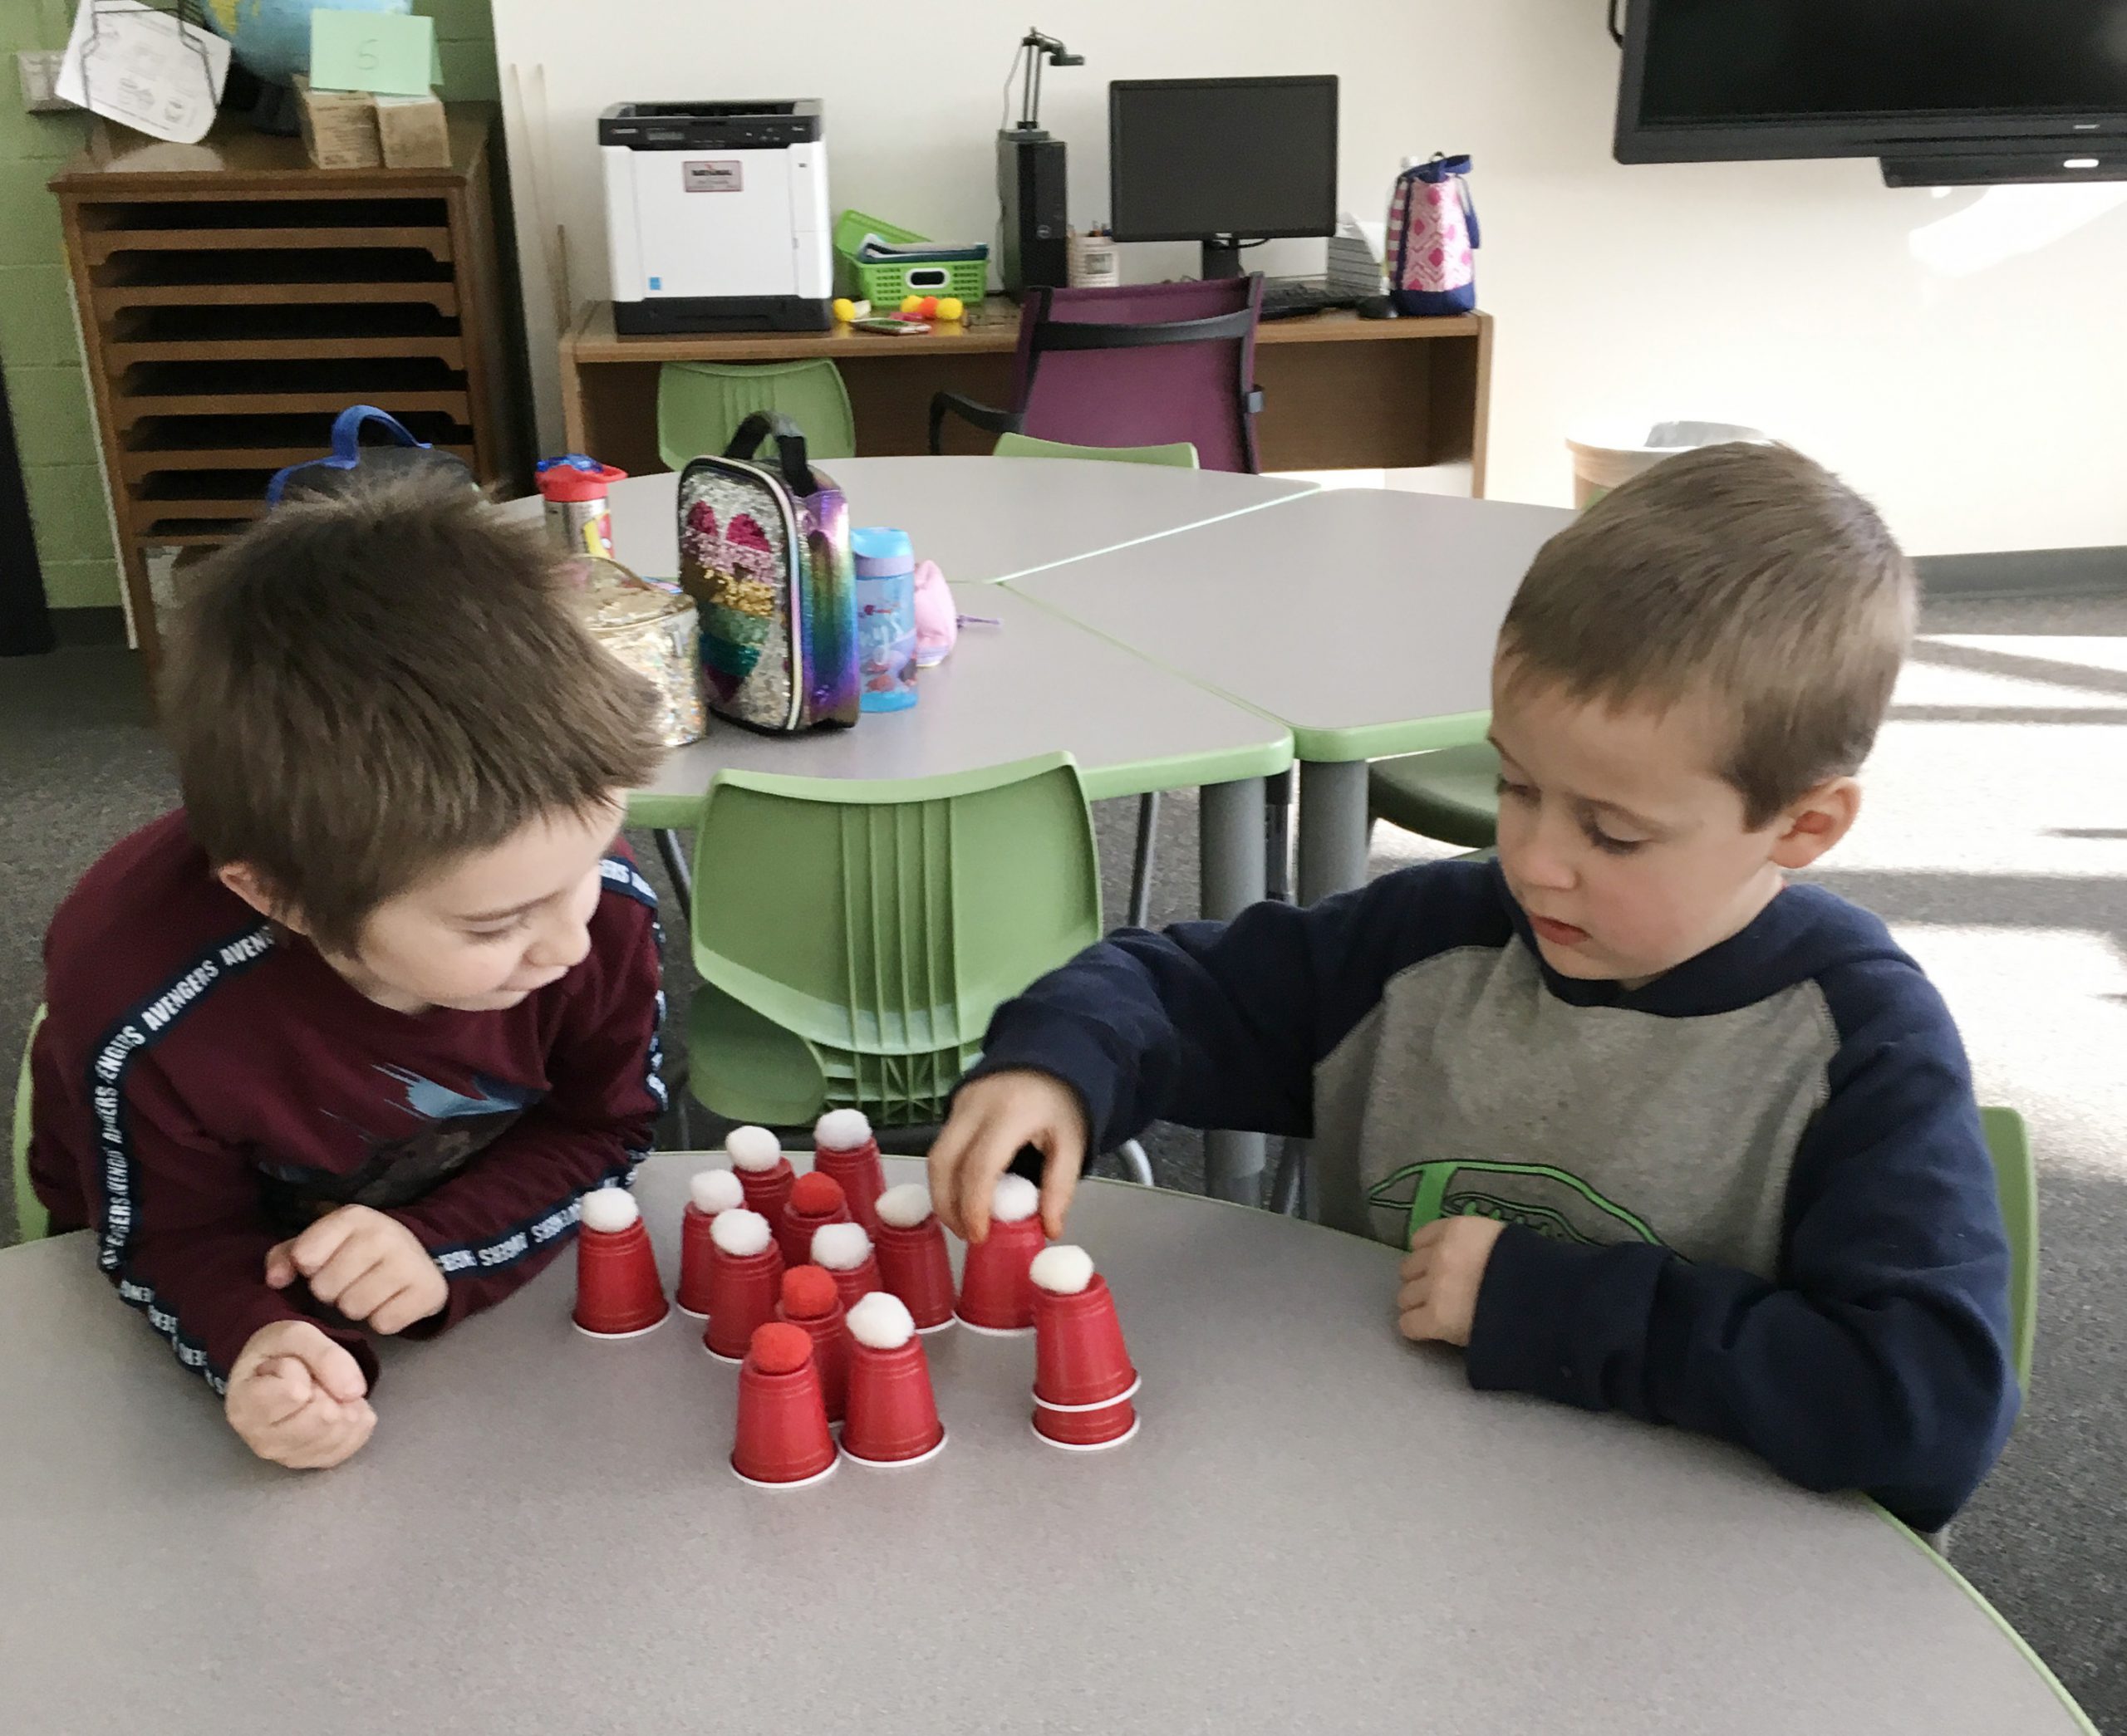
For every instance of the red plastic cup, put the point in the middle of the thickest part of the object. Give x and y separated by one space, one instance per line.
810 1301
857 1281
863 1177
893 1413
743 1292
695 1248
815 1199
914 1266
781 1437
1080 1358
1086 1431
996 1294
768 1191
618 1292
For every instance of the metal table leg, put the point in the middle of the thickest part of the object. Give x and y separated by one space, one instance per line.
673 848
1229 843
1332 828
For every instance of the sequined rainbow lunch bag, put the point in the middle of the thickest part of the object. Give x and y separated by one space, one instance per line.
764 554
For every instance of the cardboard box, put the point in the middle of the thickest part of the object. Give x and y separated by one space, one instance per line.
339 127
412 132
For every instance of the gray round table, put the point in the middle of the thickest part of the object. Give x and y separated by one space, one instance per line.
1319 1528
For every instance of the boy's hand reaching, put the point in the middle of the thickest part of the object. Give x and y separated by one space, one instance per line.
1441 1275
298 1398
370 1267
991 1119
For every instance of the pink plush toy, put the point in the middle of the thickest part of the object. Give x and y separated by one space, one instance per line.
937 623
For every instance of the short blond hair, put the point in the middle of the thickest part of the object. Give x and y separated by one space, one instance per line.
367 687
1745 576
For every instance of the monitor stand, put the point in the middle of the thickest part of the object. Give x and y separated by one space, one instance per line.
1221 258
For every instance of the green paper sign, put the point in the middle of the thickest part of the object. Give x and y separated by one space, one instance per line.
391 54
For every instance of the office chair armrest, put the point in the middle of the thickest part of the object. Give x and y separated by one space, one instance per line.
996 421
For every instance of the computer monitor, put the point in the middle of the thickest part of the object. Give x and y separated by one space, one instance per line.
1221 161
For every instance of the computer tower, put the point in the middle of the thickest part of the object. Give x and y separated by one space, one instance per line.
1037 223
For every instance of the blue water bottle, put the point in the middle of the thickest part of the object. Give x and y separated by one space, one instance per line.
886 617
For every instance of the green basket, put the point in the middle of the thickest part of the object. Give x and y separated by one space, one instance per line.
884 285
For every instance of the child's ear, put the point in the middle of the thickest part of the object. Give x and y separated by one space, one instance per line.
1810 826
250 885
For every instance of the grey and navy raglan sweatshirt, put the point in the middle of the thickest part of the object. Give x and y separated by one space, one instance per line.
1750 1197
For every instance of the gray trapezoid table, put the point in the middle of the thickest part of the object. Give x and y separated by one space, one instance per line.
1317 1527
984 519
1362 619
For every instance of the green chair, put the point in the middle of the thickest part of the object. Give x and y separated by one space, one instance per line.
1451 794
31 1219
1177 454
2009 1143
700 404
854 938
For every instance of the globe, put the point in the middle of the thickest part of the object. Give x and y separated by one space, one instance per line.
270 38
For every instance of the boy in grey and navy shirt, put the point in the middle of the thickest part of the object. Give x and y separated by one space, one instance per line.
1662 1132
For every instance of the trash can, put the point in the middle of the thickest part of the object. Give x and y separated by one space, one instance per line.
1607 454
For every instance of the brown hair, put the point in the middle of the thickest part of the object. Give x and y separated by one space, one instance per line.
1747 574
363 687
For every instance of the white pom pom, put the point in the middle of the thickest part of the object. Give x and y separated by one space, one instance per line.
610 1209
1015 1200
841 1247
1062 1270
879 1320
715 1190
740 1233
906 1206
841 1130
753 1148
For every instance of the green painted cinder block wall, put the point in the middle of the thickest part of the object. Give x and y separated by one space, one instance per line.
47 386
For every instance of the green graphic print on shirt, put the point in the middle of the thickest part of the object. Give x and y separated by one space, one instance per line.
1551 1201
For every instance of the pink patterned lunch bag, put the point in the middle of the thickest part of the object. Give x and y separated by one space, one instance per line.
1432 238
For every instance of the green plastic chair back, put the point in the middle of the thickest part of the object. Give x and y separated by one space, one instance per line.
1451 794
2009 1143
700 404
1178 454
30 1217
854 938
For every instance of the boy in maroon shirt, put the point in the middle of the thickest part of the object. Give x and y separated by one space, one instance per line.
336 1048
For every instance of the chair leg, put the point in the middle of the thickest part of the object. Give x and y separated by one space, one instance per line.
1289 1182
1278 837
1141 872
671 849
1134 1159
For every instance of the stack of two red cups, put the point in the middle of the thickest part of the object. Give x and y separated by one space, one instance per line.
1084 1380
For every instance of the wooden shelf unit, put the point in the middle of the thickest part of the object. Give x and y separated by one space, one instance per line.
234 299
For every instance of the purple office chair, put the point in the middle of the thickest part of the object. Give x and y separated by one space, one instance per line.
1136 366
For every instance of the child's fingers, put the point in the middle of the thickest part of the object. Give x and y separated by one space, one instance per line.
1416 1263
328 1436
1415 1324
946 1154
332 1363
1059 1181
991 1156
1426 1235
281 1386
281 1266
1413 1295
396 1311
368 1293
355 1260
315 1247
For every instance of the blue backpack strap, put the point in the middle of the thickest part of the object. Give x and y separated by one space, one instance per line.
347 444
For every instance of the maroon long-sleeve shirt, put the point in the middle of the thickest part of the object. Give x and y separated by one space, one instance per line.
205 1085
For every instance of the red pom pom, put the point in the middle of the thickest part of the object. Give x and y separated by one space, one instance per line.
779 1348
817 1195
808 1291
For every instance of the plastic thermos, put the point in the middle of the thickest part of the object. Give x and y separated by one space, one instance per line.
886 617
574 489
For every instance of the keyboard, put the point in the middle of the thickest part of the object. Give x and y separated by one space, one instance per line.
1285 298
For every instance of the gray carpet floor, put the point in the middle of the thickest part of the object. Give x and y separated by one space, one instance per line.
1994 840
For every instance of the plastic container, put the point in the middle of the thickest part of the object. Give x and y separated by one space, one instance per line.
1607 454
914 1265
618 1293
893 1412
1086 1431
996 1294
574 487
782 1439
884 285
1095 262
743 1292
1080 1360
885 618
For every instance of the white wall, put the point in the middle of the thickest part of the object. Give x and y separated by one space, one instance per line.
1960 356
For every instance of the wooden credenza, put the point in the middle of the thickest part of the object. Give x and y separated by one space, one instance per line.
234 299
